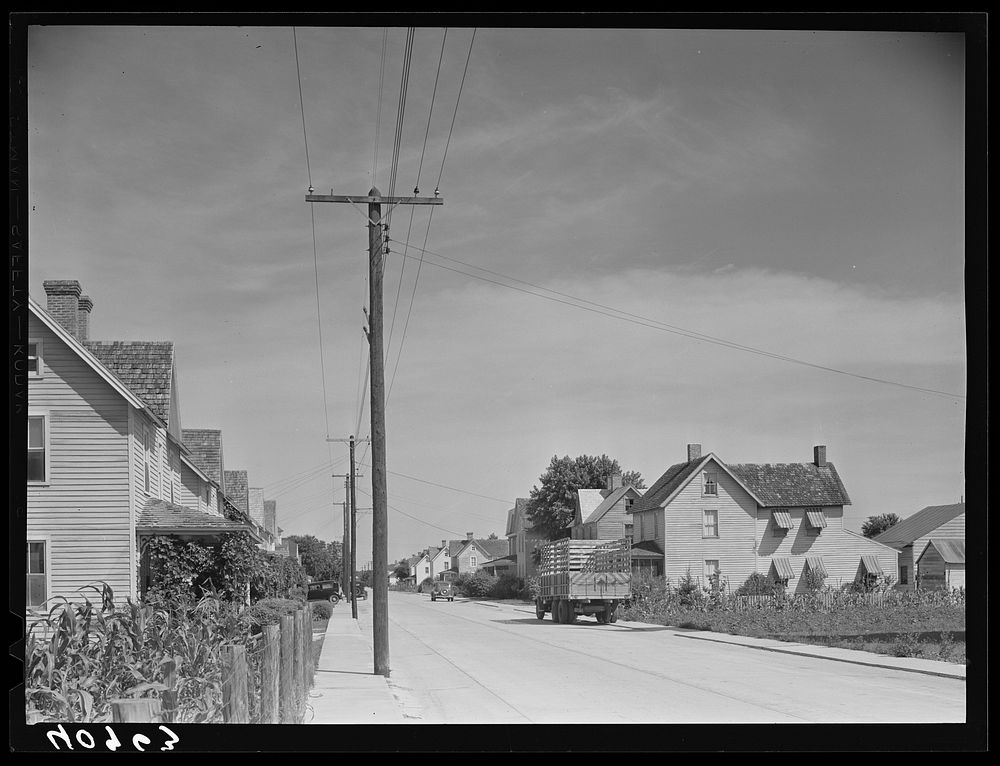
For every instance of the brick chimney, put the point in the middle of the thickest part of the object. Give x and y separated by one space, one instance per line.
63 303
83 317
819 455
694 452
614 481
444 543
468 535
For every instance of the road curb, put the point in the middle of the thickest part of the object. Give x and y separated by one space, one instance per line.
849 660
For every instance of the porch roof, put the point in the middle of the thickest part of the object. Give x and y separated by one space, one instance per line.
160 517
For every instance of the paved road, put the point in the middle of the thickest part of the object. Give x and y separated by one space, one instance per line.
482 662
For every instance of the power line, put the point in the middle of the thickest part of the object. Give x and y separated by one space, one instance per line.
445 486
416 518
430 217
302 108
663 326
416 191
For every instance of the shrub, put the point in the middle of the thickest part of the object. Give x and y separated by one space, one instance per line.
759 584
478 585
906 645
814 581
425 585
322 610
532 588
268 611
689 591
508 586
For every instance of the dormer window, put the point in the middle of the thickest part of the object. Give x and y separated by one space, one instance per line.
711 484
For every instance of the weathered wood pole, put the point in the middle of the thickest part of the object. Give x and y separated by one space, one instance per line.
286 690
300 679
270 674
380 512
235 706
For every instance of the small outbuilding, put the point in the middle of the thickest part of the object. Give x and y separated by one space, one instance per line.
942 564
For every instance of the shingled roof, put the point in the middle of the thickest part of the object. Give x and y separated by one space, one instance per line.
773 485
206 450
238 490
920 524
493 548
145 367
167 518
664 487
792 484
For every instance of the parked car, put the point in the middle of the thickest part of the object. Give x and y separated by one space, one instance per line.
323 590
442 590
360 591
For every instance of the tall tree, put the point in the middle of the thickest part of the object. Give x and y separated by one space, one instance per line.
876 525
552 505
320 559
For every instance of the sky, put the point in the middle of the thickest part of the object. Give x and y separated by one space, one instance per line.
622 207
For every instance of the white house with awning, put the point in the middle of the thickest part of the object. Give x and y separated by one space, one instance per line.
709 518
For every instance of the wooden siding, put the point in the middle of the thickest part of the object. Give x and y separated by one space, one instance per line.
950 530
680 529
936 573
841 549
83 510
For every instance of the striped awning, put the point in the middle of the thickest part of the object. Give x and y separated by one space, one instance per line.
871 565
783 567
817 519
815 564
782 519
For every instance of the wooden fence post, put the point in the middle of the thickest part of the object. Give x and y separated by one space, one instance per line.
234 684
144 710
168 696
270 672
308 646
287 706
300 688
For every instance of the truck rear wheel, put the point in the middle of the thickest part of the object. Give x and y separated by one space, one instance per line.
613 612
569 616
556 610
539 609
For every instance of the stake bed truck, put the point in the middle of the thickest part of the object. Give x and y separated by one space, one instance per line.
584 577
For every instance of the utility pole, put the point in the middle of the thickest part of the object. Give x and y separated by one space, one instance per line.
380 513
345 546
350 532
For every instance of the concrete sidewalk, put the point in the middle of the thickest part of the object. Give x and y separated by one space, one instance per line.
345 688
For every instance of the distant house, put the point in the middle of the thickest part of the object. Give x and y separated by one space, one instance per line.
522 539
443 561
708 517
107 465
422 568
474 553
942 564
604 514
913 534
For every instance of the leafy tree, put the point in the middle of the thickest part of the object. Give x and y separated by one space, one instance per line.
493 536
321 560
401 569
552 505
876 525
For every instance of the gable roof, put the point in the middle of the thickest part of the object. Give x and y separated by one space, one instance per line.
920 524
609 502
87 356
519 519
792 484
587 500
671 480
952 551
205 445
145 367
494 548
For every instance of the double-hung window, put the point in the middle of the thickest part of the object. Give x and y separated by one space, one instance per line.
35 358
37 585
145 456
711 524
472 561
711 486
38 438
711 570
